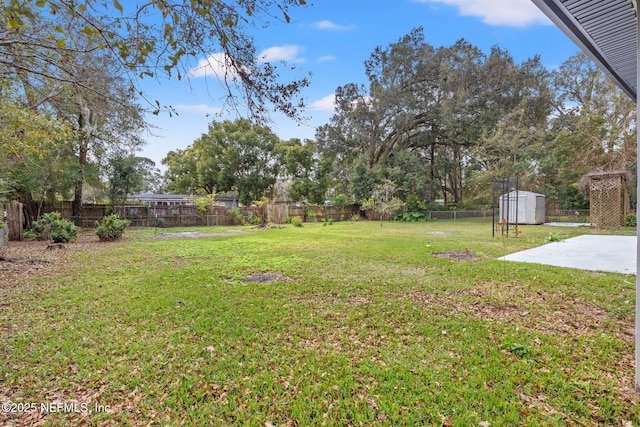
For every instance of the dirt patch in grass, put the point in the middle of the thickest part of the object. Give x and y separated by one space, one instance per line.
197 235
266 278
465 255
358 300
22 262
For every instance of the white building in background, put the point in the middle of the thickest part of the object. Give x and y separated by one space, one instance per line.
225 200
523 207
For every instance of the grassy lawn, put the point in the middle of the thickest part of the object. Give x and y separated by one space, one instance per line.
363 325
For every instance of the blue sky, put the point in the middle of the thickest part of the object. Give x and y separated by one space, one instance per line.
331 40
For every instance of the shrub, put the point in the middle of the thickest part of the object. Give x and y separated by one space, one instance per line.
111 228
53 226
236 215
253 219
330 221
631 220
296 221
414 204
415 217
339 200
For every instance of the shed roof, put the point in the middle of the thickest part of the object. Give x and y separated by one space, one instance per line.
524 193
605 30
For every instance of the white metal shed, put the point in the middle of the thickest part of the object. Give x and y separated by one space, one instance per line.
523 207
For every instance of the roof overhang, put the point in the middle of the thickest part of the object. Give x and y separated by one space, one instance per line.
606 30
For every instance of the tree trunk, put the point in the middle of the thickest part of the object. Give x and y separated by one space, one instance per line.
86 128
455 176
432 172
76 205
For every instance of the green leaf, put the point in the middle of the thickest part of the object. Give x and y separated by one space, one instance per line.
118 6
61 43
88 30
14 23
41 3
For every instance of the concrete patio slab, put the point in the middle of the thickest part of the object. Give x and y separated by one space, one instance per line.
616 254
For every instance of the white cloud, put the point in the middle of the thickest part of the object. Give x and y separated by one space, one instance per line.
215 65
514 13
330 26
287 53
326 103
218 65
326 58
197 108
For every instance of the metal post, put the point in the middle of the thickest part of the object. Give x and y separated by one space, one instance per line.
493 208
638 233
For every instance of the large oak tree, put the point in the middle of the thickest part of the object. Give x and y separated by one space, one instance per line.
232 156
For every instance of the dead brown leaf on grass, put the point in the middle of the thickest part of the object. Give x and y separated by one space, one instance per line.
541 311
548 313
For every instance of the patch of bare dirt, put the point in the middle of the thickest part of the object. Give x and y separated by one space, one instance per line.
197 235
268 226
465 255
358 300
23 262
266 278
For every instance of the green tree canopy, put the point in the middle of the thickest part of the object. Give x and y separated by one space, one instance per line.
126 175
309 173
231 156
432 106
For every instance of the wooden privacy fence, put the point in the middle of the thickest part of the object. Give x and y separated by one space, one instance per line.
189 215
164 216
319 213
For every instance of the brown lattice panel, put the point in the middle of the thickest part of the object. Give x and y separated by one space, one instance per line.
608 199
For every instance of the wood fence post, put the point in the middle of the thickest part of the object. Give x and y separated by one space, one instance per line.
4 233
14 221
